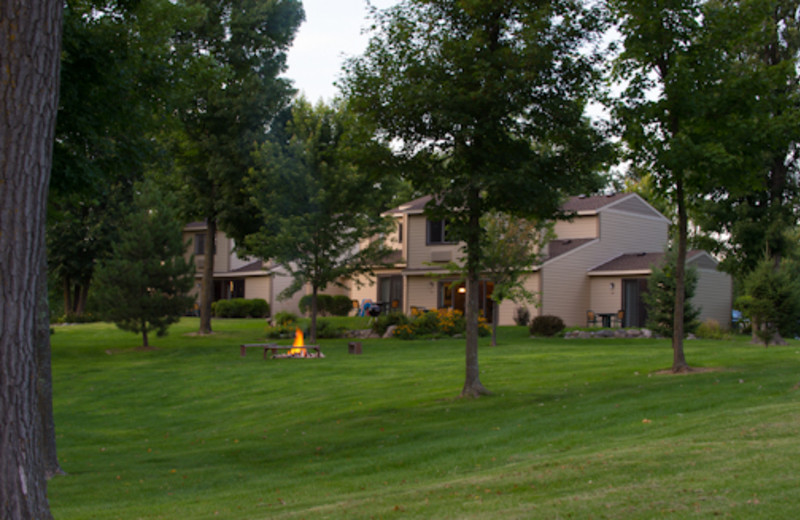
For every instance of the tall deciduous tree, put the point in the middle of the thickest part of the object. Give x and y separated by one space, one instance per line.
117 76
144 285
485 100
761 120
674 73
320 186
29 51
237 52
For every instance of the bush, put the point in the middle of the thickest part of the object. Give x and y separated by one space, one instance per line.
240 308
522 316
546 325
285 318
340 305
441 322
384 321
286 330
327 329
710 329
324 304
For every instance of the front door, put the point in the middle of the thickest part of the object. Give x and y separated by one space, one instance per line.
633 303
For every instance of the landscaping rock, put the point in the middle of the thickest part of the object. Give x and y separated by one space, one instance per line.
389 331
633 333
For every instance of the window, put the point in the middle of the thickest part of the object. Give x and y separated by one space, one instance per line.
199 243
400 232
437 231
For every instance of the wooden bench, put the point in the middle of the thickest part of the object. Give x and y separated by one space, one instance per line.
274 347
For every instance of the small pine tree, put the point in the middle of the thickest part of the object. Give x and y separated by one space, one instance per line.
143 286
660 298
771 300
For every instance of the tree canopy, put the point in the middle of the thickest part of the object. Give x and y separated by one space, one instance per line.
486 103
320 187
236 53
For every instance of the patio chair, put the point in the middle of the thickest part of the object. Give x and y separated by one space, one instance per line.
619 319
591 319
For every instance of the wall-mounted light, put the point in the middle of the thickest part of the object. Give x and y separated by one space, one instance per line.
462 290
612 286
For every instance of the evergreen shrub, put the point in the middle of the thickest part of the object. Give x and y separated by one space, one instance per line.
240 308
522 316
546 325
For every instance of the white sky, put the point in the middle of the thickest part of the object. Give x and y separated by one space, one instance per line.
331 32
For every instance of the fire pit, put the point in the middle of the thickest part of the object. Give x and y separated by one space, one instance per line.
298 349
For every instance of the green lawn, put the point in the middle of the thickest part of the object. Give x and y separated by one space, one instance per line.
575 429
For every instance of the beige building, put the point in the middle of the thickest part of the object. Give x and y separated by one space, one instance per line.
600 261
236 277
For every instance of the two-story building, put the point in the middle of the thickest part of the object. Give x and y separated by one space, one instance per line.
600 261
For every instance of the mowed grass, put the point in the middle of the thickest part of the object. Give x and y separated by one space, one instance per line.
574 429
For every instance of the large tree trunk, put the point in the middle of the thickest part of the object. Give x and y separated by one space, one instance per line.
144 334
312 331
678 359
207 287
44 379
495 319
29 53
472 382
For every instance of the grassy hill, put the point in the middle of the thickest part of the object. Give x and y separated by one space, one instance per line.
575 429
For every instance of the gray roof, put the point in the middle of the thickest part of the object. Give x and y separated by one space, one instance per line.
574 204
592 202
637 262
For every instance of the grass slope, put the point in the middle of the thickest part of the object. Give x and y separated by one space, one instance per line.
575 429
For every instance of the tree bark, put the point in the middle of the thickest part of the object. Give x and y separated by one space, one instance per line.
144 333
495 319
44 379
207 287
30 53
472 383
678 358
312 332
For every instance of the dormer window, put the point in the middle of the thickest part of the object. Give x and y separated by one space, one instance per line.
437 232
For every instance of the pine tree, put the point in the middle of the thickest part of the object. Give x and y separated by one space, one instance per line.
660 298
144 285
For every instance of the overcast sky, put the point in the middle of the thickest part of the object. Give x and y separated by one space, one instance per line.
331 32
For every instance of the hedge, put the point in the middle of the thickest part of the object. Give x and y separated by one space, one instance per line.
240 308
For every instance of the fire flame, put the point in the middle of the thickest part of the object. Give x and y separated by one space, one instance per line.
298 344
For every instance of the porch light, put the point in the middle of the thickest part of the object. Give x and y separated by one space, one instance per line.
462 290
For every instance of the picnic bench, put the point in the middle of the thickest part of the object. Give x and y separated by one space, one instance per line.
274 347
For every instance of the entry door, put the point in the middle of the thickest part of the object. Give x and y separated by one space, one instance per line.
632 302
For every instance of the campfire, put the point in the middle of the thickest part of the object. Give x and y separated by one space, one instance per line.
299 349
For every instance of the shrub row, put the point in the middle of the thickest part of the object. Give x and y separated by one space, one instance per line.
327 305
240 308
286 328
440 322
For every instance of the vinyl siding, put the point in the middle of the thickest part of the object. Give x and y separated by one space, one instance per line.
421 292
280 281
603 298
578 227
258 287
714 296
508 308
565 284
419 254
